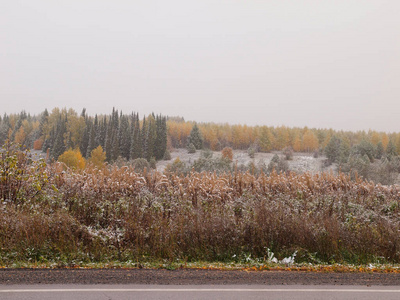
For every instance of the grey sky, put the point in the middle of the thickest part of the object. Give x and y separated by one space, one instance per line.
296 63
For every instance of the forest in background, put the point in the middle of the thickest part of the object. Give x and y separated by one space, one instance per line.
120 135
131 137
128 139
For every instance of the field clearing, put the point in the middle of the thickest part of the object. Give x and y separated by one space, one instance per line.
301 162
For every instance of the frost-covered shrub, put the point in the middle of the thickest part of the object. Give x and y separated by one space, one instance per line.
21 177
206 153
176 167
385 171
278 164
191 148
357 165
288 153
219 165
167 155
139 164
153 163
251 151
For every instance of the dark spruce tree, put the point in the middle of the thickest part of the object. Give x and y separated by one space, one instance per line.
161 139
92 141
124 135
151 137
136 145
195 137
85 138
4 129
115 153
58 147
144 138
108 142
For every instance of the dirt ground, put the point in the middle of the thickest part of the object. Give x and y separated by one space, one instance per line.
190 277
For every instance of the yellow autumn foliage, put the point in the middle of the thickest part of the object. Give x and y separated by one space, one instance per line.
98 157
73 159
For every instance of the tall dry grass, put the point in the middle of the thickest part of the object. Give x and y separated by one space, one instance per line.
116 213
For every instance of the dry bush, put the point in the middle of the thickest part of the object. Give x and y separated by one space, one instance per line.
21 178
38 144
227 152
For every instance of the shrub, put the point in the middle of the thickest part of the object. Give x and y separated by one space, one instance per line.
288 153
357 165
251 151
177 167
277 164
21 178
206 153
167 155
153 163
120 162
218 165
191 148
227 152
139 164
38 144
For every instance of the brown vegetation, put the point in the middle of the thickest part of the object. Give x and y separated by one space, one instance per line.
116 213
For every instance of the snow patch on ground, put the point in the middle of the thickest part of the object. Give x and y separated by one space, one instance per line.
301 162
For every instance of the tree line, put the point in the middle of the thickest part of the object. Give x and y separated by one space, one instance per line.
268 138
120 135
131 137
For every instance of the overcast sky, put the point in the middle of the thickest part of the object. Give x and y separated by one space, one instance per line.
326 64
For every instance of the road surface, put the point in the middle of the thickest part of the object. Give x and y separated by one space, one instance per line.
230 292
98 284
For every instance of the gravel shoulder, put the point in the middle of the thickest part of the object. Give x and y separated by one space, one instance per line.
191 277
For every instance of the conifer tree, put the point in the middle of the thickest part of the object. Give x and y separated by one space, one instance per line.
195 137
85 139
101 133
391 149
332 149
144 138
58 147
379 150
108 142
92 141
161 139
151 137
124 137
4 128
136 145
43 121
115 153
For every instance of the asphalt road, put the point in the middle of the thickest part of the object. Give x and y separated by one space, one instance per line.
117 292
98 284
